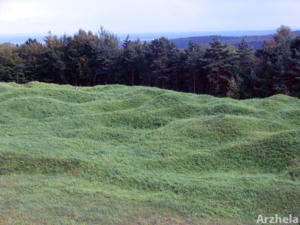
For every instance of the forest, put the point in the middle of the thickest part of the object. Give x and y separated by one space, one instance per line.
88 59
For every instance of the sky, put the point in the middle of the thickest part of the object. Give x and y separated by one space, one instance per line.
140 16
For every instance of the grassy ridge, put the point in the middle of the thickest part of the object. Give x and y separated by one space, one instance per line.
137 155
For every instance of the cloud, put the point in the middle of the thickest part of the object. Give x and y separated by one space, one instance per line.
16 11
138 16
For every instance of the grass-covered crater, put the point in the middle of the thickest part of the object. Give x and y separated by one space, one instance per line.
138 155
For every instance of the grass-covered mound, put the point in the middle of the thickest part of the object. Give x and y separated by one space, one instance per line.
137 155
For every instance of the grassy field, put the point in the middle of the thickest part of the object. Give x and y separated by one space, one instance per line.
136 155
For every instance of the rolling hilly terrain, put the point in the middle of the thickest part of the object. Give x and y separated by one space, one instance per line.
137 155
256 41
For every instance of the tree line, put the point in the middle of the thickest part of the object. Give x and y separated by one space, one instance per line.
87 59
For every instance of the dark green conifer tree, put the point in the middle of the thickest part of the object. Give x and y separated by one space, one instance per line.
220 67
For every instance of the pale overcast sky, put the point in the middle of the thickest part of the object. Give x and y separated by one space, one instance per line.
140 16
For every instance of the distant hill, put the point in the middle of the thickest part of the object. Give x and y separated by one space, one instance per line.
180 39
21 38
255 42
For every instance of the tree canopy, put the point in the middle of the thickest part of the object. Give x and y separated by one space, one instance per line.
87 59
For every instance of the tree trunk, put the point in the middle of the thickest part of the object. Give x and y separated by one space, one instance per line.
132 77
194 79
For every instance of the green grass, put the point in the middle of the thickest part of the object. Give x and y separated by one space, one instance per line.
136 155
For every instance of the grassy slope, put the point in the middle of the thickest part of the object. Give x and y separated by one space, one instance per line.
136 155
